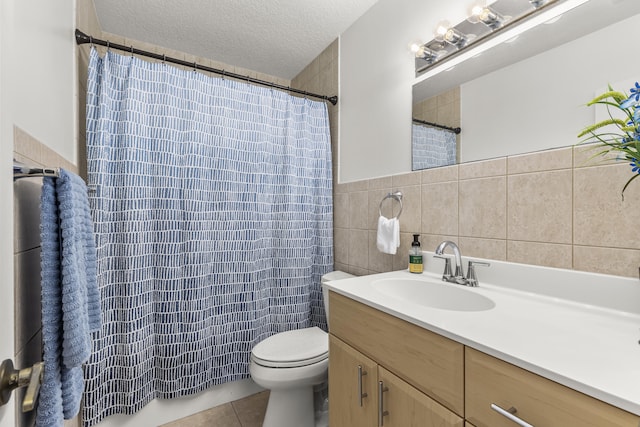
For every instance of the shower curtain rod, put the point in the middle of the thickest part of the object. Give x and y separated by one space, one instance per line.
435 125
82 38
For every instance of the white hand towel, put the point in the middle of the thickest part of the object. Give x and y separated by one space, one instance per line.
388 235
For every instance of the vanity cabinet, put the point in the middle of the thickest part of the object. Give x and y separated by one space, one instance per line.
411 375
429 380
530 397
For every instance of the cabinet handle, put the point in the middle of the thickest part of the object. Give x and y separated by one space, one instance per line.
381 412
360 393
509 413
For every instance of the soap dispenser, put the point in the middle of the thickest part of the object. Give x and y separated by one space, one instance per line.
415 256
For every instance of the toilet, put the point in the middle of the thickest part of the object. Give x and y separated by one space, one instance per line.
290 364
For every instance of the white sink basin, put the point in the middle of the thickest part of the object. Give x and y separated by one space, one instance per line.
443 296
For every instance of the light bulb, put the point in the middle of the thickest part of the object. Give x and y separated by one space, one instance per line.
442 30
476 10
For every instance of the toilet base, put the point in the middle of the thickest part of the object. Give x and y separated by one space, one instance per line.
290 408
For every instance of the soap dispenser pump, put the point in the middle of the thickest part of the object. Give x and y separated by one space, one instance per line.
415 256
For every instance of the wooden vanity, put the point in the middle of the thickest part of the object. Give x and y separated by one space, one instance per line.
385 371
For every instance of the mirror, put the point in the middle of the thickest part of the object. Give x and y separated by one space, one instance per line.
527 95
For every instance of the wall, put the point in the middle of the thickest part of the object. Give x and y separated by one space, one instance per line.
37 97
376 75
45 79
7 413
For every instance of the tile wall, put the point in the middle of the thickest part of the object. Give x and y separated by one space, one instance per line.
550 208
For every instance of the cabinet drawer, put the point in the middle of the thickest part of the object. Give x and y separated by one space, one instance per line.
431 363
537 400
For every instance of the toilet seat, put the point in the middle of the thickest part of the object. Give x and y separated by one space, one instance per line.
292 349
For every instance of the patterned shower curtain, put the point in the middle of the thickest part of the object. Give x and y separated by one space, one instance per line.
212 203
432 147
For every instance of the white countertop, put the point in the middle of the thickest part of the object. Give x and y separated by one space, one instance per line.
591 346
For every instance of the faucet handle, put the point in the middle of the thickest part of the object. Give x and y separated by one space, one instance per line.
447 267
472 279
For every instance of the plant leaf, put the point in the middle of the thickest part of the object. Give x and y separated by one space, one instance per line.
603 123
617 96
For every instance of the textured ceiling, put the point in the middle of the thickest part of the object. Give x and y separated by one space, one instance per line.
276 37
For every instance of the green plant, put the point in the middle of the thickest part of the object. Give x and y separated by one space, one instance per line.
616 135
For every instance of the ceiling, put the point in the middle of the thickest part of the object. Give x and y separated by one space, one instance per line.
275 37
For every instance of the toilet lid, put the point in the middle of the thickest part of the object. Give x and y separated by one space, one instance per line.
299 347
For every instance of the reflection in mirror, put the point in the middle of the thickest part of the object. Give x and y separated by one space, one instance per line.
529 95
436 131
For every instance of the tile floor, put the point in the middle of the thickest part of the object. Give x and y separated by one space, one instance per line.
247 412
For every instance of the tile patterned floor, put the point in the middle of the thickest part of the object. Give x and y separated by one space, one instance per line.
247 412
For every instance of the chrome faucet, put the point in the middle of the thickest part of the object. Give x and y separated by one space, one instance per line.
458 277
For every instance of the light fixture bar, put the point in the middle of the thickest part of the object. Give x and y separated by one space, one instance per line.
545 11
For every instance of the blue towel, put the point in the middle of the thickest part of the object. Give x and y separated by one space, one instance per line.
70 298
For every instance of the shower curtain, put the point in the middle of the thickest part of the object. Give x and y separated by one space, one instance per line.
212 203
432 147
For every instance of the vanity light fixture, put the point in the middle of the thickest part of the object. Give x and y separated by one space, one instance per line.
487 27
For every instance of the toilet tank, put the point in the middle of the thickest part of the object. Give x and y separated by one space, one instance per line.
330 277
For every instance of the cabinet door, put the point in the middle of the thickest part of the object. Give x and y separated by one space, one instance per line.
353 394
405 406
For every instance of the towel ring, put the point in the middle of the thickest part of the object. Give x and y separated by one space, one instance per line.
398 196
